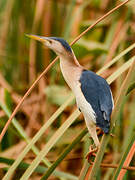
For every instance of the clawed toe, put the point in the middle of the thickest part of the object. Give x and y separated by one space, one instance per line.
91 153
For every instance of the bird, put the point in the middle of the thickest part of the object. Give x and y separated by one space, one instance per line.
92 92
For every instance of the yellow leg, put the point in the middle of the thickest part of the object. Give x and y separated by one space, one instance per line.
92 130
93 133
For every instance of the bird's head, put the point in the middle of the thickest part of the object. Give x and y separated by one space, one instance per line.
58 45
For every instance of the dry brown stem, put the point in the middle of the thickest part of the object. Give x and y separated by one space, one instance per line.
127 162
118 36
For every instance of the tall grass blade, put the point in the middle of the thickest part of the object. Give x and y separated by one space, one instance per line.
114 60
39 169
63 154
36 137
125 154
50 144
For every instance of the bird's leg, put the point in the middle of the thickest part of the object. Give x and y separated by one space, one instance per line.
99 132
92 131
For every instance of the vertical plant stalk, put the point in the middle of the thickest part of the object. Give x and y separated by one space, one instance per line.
50 65
84 170
105 137
117 37
5 26
46 29
77 18
32 53
5 84
69 19
127 160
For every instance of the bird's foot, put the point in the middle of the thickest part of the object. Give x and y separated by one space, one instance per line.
92 152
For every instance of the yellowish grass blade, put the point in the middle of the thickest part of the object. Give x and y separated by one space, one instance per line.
36 137
119 71
50 144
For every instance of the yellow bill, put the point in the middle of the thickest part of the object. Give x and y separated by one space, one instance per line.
36 37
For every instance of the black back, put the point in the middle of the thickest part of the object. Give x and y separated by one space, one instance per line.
97 92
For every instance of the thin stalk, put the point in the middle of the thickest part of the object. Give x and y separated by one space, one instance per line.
116 58
129 150
84 170
63 154
130 168
69 19
85 166
32 50
6 22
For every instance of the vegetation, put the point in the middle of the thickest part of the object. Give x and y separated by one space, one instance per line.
47 138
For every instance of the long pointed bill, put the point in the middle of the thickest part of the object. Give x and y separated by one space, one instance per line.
36 37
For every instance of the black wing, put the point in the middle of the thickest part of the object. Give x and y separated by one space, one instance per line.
97 92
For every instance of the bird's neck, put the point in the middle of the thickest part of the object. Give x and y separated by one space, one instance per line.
71 70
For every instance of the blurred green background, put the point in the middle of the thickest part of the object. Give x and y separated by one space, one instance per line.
22 60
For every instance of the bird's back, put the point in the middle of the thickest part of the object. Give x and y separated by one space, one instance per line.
98 94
